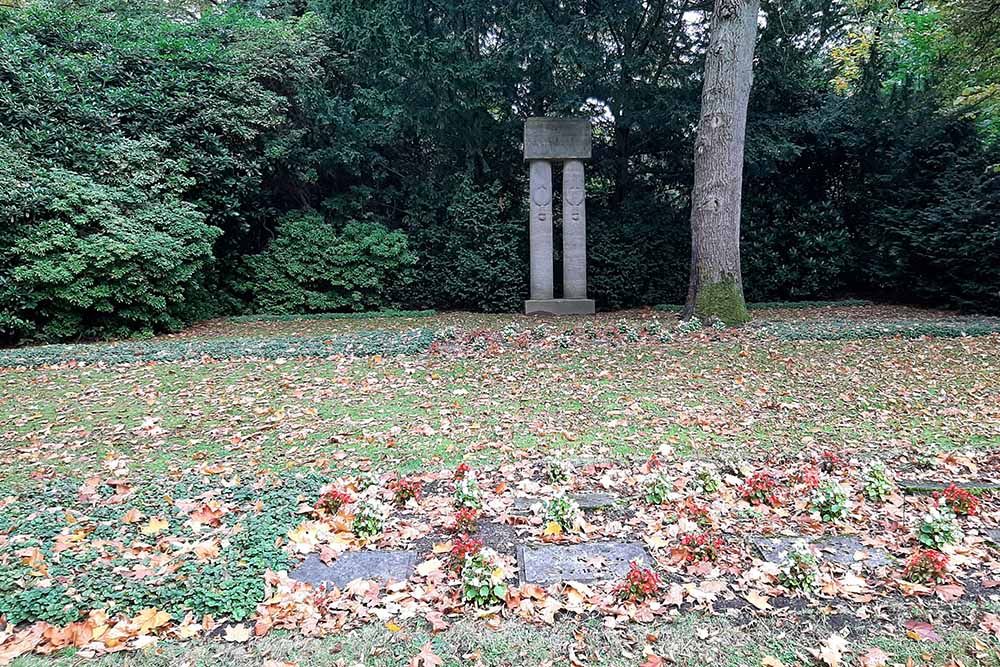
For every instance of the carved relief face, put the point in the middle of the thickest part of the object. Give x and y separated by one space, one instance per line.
574 195
575 190
541 183
541 194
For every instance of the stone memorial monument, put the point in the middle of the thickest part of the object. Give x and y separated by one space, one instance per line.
566 140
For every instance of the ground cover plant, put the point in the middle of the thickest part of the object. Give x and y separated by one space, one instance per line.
160 507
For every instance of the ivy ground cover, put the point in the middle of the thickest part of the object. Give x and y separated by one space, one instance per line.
152 509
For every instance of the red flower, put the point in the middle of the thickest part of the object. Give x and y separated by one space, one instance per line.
462 547
465 520
759 489
654 462
640 583
331 502
926 566
810 477
462 470
701 547
407 489
959 500
697 512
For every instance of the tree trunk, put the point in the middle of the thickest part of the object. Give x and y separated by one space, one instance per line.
716 287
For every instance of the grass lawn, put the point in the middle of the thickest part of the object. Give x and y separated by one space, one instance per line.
231 455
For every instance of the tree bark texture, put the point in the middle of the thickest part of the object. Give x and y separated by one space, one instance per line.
716 284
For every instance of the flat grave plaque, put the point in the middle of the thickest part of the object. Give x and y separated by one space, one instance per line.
839 549
382 565
599 561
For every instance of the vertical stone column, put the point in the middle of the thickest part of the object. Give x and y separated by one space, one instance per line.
540 230
574 231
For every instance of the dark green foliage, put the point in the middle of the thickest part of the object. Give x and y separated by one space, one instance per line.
157 170
795 251
474 258
362 343
311 267
935 227
91 258
829 330
375 314
784 305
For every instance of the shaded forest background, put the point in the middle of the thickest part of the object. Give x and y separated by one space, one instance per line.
160 164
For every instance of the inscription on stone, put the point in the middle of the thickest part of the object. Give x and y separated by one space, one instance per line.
351 565
584 563
587 502
557 139
845 550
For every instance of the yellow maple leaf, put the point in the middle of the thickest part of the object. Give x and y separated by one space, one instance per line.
187 631
150 618
155 526
553 528
207 550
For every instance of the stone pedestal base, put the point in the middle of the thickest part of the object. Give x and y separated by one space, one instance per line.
560 306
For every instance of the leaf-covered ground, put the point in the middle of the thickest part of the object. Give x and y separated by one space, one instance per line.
148 503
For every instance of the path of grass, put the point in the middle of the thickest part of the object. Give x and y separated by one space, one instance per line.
693 640
702 397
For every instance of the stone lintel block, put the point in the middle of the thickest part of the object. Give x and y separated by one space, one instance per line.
560 306
557 139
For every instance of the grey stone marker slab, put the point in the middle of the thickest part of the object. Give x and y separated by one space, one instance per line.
560 306
994 536
351 565
587 501
557 139
574 210
552 564
593 501
930 486
839 549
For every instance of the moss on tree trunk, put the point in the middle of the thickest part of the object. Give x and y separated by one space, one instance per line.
722 300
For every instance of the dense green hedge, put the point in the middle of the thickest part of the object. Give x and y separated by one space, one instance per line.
312 267
314 156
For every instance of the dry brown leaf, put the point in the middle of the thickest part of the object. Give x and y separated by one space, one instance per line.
237 634
426 657
873 657
831 651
